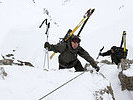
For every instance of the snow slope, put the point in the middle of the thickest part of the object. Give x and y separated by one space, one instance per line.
25 83
111 72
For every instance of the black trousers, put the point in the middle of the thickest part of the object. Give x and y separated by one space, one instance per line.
76 64
115 59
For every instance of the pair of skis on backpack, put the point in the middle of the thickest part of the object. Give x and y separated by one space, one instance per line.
82 22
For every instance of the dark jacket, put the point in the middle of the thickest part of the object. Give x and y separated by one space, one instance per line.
117 55
68 55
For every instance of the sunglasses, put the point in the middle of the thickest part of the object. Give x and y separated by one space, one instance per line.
76 40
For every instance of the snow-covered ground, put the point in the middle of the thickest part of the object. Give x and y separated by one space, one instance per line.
20 35
111 72
25 83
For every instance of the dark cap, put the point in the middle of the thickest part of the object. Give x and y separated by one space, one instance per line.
114 47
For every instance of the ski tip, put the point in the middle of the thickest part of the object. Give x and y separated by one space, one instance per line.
124 32
92 10
88 11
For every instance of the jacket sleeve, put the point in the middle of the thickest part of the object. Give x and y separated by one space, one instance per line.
84 54
59 47
106 53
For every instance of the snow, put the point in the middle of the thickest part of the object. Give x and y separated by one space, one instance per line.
111 73
129 72
26 83
20 21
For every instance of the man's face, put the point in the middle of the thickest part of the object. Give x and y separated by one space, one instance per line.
112 50
74 45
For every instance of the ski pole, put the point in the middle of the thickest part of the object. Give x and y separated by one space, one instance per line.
100 52
43 23
46 52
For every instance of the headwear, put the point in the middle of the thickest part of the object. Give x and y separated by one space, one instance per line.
114 47
75 39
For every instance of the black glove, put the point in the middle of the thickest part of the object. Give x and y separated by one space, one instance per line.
97 69
47 45
100 54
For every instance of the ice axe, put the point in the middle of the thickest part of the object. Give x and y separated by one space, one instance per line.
100 52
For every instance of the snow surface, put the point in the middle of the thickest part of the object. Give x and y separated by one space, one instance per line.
129 72
25 83
20 21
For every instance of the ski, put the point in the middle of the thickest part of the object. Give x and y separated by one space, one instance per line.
124 40
89 14
82 22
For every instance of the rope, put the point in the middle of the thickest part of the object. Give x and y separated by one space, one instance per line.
63 85
60 86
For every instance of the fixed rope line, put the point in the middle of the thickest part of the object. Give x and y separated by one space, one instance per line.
63 84
60 86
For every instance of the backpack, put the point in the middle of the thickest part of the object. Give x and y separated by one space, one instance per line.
67 36
120 52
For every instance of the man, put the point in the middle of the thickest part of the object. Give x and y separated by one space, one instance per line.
117 54
68 54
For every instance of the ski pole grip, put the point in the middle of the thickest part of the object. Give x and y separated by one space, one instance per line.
43 23
49 25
